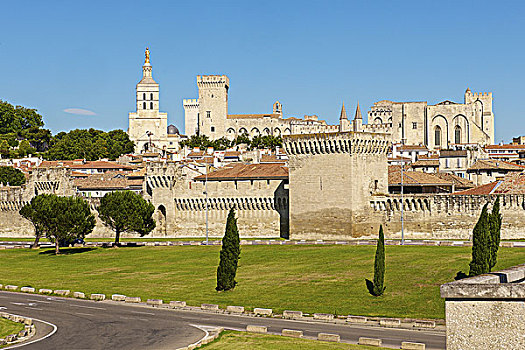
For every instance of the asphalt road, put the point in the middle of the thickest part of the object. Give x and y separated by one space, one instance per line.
83 324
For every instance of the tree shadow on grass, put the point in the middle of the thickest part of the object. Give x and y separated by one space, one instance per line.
67 251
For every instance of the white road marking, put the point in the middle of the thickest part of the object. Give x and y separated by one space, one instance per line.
81 313
87 307
62 301
2 308
37 340
143 313
39 301
19 304
133 318
33 308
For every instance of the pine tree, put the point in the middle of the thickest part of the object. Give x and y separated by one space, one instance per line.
481 245
495 233
377 287
229 255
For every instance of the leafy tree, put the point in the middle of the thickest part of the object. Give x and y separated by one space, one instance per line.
89 144
60 218
25 149
11 176
15 119
197 141
4 148
244 138
35 212
268 141
481 245
495 233
377 288
125 211
229 256
37 137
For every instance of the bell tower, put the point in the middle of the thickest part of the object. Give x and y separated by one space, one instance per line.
148 128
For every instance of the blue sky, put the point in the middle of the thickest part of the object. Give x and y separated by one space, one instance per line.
310 55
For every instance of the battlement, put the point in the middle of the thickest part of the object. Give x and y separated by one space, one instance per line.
482 94
337 142
444 203
213 80
479 94
190 103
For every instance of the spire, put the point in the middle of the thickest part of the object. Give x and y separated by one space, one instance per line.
468 90
146 70
358 112
343 112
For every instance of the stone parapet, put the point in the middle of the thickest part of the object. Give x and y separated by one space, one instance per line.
485 310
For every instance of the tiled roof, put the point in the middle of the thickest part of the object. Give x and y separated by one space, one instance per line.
105 181
452 153
459 182
513 183
196 154
268 171
75 164
411 147
271 158
232 154
511 147
492 164
425 163
414 178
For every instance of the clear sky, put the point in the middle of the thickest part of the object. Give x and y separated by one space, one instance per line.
310 55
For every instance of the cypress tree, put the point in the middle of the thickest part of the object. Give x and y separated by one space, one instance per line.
495 233
229 255
481 245
377 287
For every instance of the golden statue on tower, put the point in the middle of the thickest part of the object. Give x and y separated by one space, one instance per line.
147 55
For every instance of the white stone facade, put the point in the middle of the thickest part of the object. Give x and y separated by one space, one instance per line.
436 126
208 115
147 125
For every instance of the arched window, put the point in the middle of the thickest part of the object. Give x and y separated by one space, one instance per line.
143 105
457 134
144 96
151 105
437 136
151 96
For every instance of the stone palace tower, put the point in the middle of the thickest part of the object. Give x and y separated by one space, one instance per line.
147 126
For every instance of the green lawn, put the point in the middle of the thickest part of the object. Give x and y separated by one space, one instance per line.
138 239
250 341
9 327
307 278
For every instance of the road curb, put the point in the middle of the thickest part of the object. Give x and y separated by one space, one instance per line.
26 333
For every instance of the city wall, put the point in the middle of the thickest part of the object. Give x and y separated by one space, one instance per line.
261 205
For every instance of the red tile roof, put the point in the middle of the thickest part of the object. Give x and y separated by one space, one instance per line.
414 178
76 164
267 171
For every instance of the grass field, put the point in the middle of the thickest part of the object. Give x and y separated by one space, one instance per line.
249 341
9 327
307 278
144 239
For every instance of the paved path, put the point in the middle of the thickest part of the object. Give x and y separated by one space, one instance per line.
83 324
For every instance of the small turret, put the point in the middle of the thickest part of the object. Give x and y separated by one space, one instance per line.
358 112
357 123
278 108
343 113
344 123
